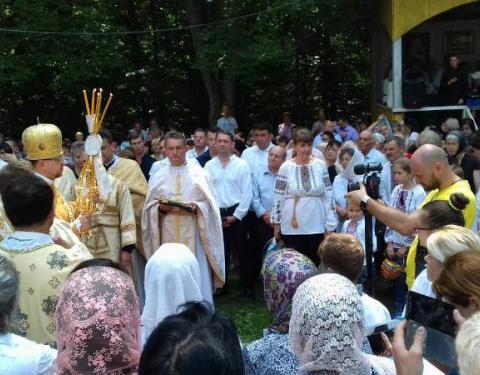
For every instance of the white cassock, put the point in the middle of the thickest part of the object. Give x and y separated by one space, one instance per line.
200 232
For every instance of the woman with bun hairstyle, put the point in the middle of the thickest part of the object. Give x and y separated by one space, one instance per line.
441 245
431 217
436 214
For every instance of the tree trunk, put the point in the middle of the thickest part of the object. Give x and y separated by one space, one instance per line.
195 17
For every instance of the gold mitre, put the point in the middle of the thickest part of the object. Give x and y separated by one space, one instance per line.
42 141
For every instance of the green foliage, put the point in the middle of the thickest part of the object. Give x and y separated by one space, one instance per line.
298 56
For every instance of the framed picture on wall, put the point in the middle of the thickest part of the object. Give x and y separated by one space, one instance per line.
458 41
416 47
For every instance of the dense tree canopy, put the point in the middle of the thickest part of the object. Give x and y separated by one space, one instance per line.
295 55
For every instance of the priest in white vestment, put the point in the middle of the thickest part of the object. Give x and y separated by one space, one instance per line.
181 180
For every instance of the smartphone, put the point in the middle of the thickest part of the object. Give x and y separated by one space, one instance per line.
375 338
436 317
432 313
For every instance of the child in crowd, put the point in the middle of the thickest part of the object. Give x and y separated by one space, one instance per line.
343 254
406 197
355 225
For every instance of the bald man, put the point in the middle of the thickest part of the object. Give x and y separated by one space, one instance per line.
263 186
366 144
429 165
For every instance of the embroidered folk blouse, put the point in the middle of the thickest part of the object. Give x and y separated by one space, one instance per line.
309 186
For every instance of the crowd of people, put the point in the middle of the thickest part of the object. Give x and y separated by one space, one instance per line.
130 286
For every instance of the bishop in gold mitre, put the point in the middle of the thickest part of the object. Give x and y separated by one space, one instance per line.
43 146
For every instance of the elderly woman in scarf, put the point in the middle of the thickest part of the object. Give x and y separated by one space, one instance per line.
326 329
98 323
455 147
348 156
283 271
172 278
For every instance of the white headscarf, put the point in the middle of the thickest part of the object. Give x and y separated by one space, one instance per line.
172 278
326 328
357 158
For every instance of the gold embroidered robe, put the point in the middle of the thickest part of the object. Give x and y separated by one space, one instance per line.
43 269
129 172
113 227
66 185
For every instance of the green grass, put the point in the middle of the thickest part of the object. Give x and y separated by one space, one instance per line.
249 315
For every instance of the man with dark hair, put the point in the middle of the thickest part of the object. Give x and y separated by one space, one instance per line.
347 132
394 149
43 266
129 172
257 155
212 150
232 179
181 208
145 161
200 143
194 341
454 84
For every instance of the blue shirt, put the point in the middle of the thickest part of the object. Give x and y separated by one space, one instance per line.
263 187
228 124
350 133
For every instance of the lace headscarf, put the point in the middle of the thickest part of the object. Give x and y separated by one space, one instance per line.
326 328
172 278
283 270
357 158
98 323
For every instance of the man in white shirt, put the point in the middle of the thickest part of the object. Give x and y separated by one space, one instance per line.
263 187
232 180
257 155
256 158
394 149
366 144
200 144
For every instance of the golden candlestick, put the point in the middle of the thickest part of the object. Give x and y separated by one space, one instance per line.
87 187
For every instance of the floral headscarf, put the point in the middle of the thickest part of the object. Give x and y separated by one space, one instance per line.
326 328
283 270
98 323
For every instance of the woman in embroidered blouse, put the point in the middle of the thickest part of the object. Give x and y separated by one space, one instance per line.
283 271
303 210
